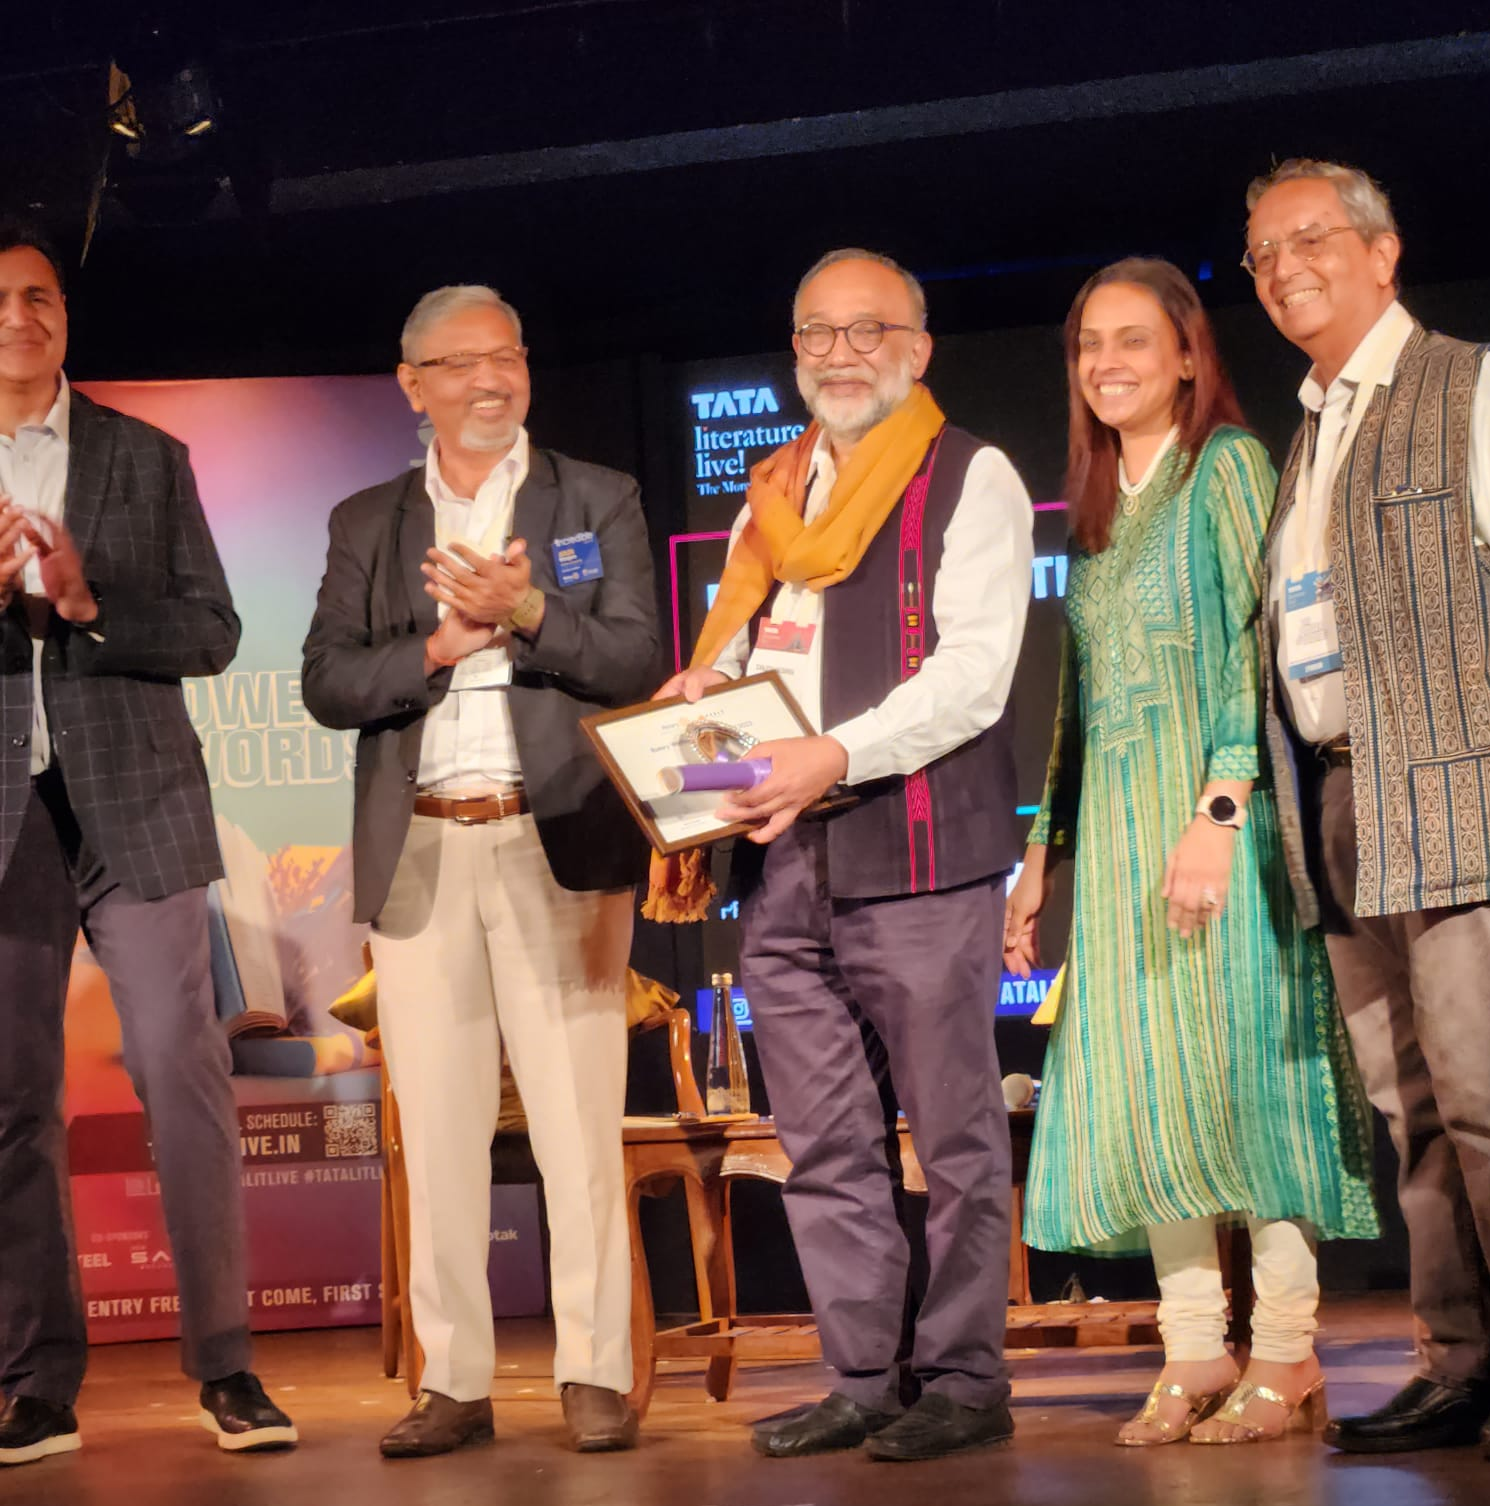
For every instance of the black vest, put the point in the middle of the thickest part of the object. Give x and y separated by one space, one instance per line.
952 822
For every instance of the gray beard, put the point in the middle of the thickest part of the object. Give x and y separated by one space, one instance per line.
879 410
472 438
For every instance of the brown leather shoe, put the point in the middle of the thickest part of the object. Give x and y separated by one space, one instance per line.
600 1421
436 1425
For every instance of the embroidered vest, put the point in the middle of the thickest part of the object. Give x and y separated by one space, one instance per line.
1412 606
952 822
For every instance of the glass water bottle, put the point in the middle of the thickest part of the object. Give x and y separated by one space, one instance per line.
727 1088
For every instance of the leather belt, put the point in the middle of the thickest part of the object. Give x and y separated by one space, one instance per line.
473 810
1336 754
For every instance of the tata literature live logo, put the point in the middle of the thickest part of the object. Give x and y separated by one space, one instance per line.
724 449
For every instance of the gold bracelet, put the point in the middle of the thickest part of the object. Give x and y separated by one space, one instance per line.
528 612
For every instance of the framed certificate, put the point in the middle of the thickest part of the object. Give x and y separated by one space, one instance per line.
640 745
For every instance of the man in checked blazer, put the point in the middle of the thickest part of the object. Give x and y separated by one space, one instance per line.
472 611
110 592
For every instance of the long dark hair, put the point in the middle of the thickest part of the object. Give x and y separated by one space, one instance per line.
1202 404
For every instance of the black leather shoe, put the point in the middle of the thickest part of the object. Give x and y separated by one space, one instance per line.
834 1423
244 1419
937 1426
30 1429
1422 1414
437 1425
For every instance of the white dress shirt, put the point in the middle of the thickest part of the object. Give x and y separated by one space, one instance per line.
1318 705
33 473
978 602
468 740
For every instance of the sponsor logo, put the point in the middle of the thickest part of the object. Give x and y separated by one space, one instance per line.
725 440
741 402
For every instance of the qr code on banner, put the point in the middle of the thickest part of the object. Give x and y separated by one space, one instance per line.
351 1129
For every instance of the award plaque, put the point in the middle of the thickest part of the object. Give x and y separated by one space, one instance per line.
674 761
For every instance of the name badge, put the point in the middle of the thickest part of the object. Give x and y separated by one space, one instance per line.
784 637
1309 626
577 558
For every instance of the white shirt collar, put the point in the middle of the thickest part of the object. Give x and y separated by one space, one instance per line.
1133 488
58 422
821 476
822 456
59 415
513 464
1373 362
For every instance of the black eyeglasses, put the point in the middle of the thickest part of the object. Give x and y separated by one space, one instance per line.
505 359
863 335
1306 244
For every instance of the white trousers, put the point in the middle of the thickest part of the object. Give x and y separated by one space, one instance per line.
1192 1303
478 944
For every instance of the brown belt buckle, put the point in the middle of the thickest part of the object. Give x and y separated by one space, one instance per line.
500 799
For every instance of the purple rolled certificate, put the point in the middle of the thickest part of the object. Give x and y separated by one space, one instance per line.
737 774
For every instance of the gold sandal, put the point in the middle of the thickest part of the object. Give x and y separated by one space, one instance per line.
1306 1415
1200 1407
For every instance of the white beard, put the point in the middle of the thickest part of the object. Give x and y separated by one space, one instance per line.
883 401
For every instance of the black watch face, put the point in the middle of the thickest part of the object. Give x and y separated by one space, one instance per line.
1223 809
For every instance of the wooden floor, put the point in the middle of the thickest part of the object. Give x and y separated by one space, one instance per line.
142 1445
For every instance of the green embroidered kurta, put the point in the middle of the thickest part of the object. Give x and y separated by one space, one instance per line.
1183 1077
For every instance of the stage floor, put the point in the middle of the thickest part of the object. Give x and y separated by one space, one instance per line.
142 1445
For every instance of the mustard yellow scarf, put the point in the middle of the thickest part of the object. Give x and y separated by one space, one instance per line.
776 545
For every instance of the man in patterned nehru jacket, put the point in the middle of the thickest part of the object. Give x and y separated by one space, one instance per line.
1378 606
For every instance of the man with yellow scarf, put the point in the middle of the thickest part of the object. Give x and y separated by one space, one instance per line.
882 567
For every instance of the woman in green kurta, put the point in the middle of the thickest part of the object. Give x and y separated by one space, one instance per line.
1199 1067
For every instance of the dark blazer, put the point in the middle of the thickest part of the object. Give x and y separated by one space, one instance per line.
597 647
119 729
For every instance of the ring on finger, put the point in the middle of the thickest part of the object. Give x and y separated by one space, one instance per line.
1209 899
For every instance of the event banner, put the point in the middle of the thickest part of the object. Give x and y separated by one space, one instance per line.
271 459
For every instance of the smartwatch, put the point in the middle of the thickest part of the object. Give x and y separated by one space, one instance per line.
1222 810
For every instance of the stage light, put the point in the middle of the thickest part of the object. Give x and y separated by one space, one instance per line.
189 105
124 120
164 105
171 167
